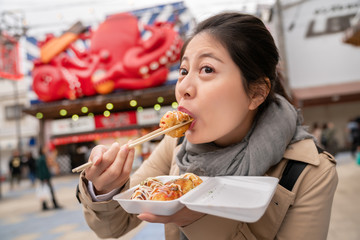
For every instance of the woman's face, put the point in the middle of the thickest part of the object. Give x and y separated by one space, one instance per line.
210 89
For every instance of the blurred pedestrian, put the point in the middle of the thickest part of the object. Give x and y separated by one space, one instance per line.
353 129
31 163
324 135
44 175
328 139
316 132
15 168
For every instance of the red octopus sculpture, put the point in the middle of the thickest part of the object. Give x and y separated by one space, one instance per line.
118 58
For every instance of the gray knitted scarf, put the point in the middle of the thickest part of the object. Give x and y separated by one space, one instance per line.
264 145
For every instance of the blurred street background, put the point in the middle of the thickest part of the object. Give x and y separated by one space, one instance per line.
61 88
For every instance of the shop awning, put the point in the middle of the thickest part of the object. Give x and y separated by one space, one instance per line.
97 104
327 94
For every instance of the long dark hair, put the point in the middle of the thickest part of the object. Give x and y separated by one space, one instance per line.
250 45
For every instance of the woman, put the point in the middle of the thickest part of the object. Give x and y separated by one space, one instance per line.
44 175
243 125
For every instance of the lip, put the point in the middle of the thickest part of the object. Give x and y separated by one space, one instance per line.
182 109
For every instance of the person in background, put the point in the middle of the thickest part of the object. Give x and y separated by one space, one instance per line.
31 163
15 167
316 132
244 125
324 135
44 175
353 132
328 138
357 156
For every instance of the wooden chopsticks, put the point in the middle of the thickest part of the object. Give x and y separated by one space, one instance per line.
138 141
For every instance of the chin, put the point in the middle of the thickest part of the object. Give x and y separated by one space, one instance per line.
192 138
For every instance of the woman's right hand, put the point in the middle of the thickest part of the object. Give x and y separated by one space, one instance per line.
112 167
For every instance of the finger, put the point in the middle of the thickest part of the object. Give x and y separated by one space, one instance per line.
95 157
96 154
121 158
148 217
129 161
96 160
112 175
108 157
115 175
102 156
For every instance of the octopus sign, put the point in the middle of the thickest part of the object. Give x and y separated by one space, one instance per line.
118 58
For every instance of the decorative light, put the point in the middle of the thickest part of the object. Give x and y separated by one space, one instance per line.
140 109
39 115
106 113
63 112
154 65
157 107
160 99
174 105
84 109
75 117
90 115
133 103
109 106
143 70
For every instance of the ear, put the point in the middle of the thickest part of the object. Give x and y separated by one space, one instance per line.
258 93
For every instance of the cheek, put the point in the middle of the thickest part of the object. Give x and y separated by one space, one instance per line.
177 95
230 106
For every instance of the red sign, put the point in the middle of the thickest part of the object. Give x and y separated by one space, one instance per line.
116 120
93 137
9 58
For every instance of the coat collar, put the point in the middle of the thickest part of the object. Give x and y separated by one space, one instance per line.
304 151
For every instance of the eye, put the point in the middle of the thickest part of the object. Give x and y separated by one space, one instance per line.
183 71
207 69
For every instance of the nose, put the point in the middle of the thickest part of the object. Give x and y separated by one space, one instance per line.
185 88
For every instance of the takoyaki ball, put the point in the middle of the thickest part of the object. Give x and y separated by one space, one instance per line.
184 184
193 177
151 182
179 132
166 193
172 118
142 193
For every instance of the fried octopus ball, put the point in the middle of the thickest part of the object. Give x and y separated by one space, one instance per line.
172 118
152 182
184 184
142 193
193 177
166 193
153 189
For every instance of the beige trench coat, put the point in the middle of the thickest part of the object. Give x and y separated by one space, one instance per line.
303 213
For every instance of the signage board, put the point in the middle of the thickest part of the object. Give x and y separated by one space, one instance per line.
115 120
68 125
150 116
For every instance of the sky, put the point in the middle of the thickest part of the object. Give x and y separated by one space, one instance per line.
57 15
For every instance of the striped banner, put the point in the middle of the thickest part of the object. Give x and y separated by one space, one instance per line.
176 12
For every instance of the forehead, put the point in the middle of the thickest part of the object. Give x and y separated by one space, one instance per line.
205 43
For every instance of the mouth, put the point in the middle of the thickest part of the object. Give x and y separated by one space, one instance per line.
184 110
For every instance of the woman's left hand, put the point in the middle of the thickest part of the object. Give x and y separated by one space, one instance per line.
181 218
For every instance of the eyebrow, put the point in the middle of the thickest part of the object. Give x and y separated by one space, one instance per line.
205 55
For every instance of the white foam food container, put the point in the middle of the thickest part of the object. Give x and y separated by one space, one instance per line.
241 198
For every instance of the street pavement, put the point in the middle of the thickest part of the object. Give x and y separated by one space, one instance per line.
21 217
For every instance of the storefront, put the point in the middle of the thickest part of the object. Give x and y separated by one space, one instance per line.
131 115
